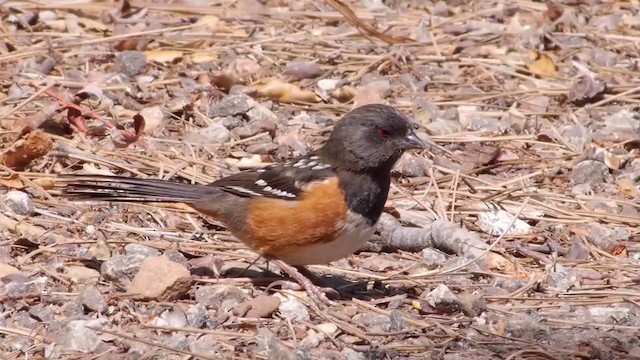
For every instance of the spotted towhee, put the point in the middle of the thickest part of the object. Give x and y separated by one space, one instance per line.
313 209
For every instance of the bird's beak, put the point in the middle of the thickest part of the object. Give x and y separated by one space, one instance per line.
412 141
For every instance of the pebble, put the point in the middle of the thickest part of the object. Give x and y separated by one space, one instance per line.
121 269
93 300
207 345
197 316
219 297
19 202
216 134
160 279
589 171
350 354
81 275
299 69
77 336
139 249
131 62
231 105
433 258
176 256
294 310
261 307
442 299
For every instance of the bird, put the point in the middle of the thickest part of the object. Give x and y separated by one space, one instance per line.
311 209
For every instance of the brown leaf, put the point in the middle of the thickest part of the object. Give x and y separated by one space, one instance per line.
31 145
13 181
277 89
542 64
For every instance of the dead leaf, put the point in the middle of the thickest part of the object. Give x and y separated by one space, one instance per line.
13 181
277 89
542 64
164 56
31 145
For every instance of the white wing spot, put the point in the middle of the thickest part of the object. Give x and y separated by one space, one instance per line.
321 167
314 157
261 183
268 188
244 190
313 163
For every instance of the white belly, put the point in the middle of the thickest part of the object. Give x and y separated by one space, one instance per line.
355 233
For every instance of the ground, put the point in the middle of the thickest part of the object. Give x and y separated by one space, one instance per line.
519 241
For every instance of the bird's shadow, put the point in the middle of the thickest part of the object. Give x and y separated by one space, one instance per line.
346 288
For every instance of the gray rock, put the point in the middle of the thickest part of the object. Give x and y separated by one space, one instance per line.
272 347
178 341
262 149
73 310
206 345
131 62
411 165
19 202
231 105
42 313
609 315
197 316
442 299
232 122
176 256
92 299
121 269
350 354
294 310
77 336
433 258
312 341
589 171
219 297
139 249
302 69
216 134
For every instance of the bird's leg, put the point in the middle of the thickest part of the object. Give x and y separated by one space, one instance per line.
316 293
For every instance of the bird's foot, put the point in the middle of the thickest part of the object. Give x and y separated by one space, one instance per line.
317 294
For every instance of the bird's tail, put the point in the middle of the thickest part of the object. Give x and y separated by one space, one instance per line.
128 189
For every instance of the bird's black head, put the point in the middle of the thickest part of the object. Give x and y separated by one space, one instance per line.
371 138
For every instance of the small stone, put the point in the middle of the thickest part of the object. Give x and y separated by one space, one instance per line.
92 299
294 310
19 202
206 345
131 62
219 297
177 341
232 122
260 307
472 304
262 149
197 316
42 313
312 341
327 328
350 354
121 269
160 279
81 275
442 299
77 335
139 249
589 171
216 134
433 258
231 105
73 310
609 315
176 256
299 69
271 347
411 165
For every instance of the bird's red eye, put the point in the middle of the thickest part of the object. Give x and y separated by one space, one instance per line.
384 134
